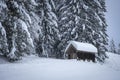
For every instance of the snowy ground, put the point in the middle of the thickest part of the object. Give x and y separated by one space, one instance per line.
34 68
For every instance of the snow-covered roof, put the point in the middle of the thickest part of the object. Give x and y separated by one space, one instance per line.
87 47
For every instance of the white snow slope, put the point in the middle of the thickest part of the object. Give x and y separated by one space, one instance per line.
34 68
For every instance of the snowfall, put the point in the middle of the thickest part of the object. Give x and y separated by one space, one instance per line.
35 68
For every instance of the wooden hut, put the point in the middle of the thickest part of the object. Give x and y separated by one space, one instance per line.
81 51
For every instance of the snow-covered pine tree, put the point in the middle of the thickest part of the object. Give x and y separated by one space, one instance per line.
65 23
112 47
103 39
16 26
118 49
95 25
3 40
39 16
59 10
10 29
8 24
50 28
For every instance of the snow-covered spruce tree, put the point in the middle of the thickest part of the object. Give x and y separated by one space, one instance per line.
3 40
10 29
103 39
8 24
35 13
95 25
16 26
50 30
66 13
38 16
118 49
60 8
25 26
112 47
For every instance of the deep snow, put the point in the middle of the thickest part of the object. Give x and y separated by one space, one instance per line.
35 68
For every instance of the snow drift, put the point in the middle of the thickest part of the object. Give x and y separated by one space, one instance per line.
35 68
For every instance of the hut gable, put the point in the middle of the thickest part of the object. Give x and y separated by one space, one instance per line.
78 50
84 47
